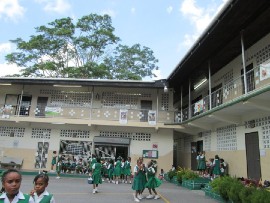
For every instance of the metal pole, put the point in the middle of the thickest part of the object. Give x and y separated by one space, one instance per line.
157 106
181 107
210 91
244 61
189 100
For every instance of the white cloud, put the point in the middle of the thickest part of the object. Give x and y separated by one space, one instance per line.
5 47
9 69
169 9
109 12
133 10
199 17
11 10
57 6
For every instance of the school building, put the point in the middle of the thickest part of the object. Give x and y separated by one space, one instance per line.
215 100
221 89
78 118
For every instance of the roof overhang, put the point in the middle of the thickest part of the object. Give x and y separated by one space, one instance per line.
82 82
221 42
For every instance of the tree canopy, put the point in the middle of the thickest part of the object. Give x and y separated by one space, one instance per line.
86 49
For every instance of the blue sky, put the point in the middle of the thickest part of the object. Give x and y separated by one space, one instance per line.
168 27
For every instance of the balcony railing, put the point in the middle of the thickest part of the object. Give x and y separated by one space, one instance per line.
87 113
227 93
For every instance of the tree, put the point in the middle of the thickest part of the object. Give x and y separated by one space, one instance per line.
87 49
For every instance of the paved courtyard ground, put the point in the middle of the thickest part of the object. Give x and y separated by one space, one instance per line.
76 190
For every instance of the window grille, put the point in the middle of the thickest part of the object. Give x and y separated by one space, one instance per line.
11 131
39 133
226 138
75 133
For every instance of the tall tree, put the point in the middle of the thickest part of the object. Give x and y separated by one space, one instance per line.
87 49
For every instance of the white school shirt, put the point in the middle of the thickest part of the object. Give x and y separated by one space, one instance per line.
39 198
16 198
136 168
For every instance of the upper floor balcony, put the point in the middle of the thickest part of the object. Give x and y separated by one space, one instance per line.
257 82
87 105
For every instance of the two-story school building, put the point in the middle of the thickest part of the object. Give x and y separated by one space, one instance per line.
215 100
222 92
78 118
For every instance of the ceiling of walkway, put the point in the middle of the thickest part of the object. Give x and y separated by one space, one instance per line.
221 42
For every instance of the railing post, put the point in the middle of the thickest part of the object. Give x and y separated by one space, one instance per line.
189 100
157 106
210 91
181 107
244 61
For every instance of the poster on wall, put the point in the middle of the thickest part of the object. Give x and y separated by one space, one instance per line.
264 71
198 106
151 154
152 117
52 111
123 116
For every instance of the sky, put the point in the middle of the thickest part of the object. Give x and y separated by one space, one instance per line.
168 27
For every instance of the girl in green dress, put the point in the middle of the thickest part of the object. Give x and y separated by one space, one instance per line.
216 167
127 170
96 175
138 182
53 160
153 182
117 170
202 163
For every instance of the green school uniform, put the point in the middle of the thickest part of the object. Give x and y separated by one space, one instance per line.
153 181
139 180
26 200
46 198
97 173
117 168
216 170
127 170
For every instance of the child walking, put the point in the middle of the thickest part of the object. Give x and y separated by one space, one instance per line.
96 175
127 170
39 193
11 183
153 182
138 182
58 168
53 161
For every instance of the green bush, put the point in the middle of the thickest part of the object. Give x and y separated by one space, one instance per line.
260 196
190 175
180 174
171 174
234 191
221 185
246 193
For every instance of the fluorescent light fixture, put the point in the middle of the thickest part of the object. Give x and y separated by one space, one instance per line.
200 83
5 83
67 85
166 89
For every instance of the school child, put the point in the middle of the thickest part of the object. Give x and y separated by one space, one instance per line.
127 170
161 175
110 169
153 182
202 163
39 193
117 169
138 183
122 173
96 175
58 168
11 183
216 167
53 163
198 161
